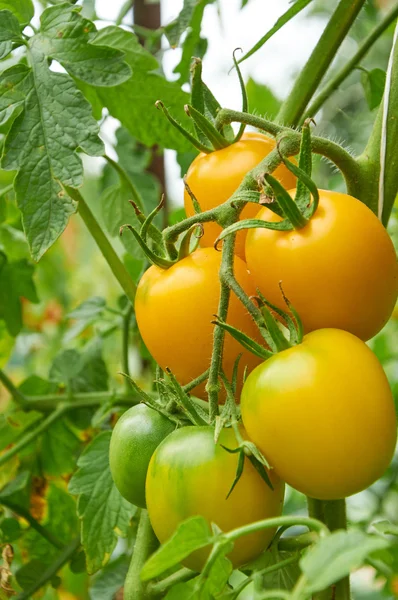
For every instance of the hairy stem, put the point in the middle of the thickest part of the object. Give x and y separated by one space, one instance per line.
51 571
324 52
113 260
145 544
363 49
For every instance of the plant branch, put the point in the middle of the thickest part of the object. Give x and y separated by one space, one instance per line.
158 588
324 52
363 49
145 544
113 260
125 343
82 400
17 396
51 571
25 514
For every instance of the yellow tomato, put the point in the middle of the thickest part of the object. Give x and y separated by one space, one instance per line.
323 414
174 309
190 475
340 270
214 177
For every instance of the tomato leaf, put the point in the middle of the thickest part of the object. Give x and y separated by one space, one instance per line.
110 579
14 423
58 449
333 557
104 514
386 527
22 9
373 84
9 32
285 18
192 534
16 282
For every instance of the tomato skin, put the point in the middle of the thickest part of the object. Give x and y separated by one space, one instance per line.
323 414
338 271
214 177
134 439
189 475
175 307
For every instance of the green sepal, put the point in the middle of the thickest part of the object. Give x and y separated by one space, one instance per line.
247 342
159 261
196 143
244 451
253 224
294 325
239 469
195 202
215 137
193 412
153 231
303 194
302 176
261 470
197 99
278 338
185 247
148 221
286 202
212 107
245 103
234 378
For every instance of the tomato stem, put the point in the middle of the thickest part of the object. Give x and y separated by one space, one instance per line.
158 588
145 544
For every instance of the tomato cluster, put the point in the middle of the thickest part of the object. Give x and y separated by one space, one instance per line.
321 411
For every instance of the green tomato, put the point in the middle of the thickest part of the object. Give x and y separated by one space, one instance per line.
135 437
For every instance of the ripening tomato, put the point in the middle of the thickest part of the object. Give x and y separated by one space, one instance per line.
323 414
340 270
214 177
174 309
190 475
134 439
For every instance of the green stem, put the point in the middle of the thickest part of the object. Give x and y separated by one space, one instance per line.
125 343
32 435
25 514
197 381
290 521
6 189
298 542
113 260
145 544
135 195
18 397
51 571
337 80
84 400
157 589
226 116
316 509
324 52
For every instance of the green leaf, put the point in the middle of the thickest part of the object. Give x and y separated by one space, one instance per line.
59 119
117 211
13 243
261 99
373 83
14 423
110 579
58 449
192 534
10 531
335 556
7 342
89 309
9 32
81 371
66 37
103 512
22 9
135 54
28 574
214 582
16 281
183 590
285 18
386 527
15 486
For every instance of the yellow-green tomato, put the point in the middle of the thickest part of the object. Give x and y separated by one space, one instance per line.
323 414
340 270
190 475
134 439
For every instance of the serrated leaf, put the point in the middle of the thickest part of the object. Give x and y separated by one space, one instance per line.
58 448
333 557
22 9
110 579
373 83
81 371
58 120
261 99
103 512
66 37
192 534
135 54
9 32
16 282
